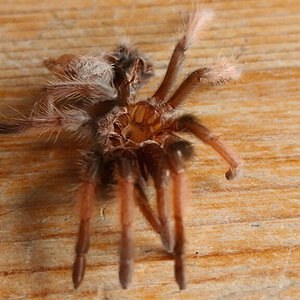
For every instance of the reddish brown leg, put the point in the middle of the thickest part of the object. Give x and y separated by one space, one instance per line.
161 184
185 89
188 123
145 208
86 201
47 125
179 191
222 71
171 74
126 196
48 119
194 25
155 160
13 128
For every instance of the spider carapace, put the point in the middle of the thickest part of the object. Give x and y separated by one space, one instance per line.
130 139
131 120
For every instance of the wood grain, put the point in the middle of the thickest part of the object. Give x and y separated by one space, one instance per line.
243 236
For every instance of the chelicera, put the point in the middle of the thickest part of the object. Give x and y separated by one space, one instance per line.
131 139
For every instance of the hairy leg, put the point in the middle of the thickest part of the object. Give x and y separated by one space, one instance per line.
87 190
190 124
220 72
145 208
47 119
155 160
82 80
10 128
176 158
192 28
126 196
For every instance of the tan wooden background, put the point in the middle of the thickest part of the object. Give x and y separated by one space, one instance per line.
243 236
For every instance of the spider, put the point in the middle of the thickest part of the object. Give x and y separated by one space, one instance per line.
130 140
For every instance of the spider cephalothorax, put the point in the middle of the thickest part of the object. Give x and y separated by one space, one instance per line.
131 139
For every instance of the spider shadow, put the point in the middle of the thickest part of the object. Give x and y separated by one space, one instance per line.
40 209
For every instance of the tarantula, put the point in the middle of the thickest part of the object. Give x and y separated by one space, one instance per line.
131 140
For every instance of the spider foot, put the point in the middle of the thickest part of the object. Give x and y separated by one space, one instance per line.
78 271
234 173
179 272
167 241
125 273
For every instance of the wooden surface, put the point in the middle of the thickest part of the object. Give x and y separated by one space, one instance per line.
243 236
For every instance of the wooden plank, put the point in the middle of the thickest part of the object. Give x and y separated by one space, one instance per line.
243 237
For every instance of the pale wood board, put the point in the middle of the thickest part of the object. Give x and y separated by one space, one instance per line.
243 236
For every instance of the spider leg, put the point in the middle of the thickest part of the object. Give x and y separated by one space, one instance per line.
185 89
40 125
190 124
192 28
126 196
86 201
83 80
143 204
176 155
155 160
220 72
78 93
161 184
47 118
16 127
